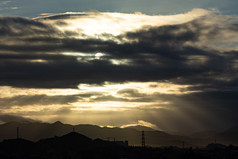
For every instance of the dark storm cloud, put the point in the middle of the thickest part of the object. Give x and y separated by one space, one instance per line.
159 53
39 99
9 118
18 26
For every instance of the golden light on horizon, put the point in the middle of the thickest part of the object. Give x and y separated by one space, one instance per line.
113 97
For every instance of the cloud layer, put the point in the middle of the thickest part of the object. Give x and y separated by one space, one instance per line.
194 55
34 53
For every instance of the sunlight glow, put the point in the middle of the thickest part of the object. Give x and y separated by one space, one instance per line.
104 24
142 123
141 87
97 98
110 88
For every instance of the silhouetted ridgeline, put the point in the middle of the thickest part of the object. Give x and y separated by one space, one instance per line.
78 146
36 131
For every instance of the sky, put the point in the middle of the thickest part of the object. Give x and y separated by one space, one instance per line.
32 8
170 65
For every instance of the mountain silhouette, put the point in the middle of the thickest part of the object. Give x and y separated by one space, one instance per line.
141 128
231 134
34 131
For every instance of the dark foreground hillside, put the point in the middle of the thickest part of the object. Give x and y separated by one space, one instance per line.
77 146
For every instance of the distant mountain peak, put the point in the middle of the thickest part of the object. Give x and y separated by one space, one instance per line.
57 123
232 129
141 128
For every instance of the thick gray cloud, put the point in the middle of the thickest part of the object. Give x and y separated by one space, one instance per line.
10 118
39 99
197 53
159 53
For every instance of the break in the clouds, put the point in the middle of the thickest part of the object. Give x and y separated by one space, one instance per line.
176 72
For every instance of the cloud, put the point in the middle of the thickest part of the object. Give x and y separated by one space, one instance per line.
41 53
186 70
142 123
39 99
4 118
130 92
115 23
